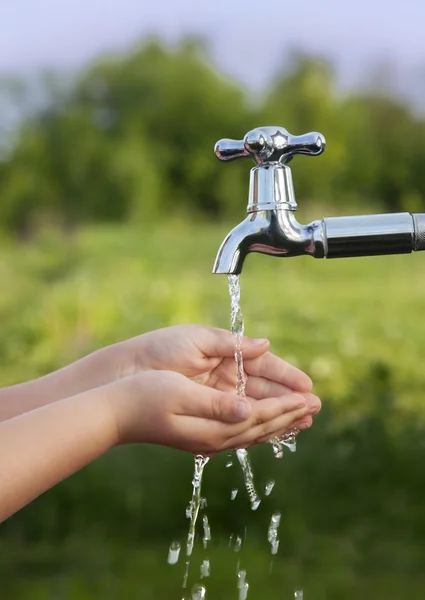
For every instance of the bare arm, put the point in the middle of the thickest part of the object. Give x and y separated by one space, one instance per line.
44 446
92 371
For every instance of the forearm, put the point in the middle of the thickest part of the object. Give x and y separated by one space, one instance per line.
90 372
40 448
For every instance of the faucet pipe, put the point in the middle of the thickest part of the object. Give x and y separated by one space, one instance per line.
271 227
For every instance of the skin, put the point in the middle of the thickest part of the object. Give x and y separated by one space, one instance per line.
174 387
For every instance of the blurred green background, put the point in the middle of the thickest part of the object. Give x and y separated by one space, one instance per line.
112 210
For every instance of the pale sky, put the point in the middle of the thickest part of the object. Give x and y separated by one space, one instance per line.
248 37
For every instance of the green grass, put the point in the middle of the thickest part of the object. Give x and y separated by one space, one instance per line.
65 296
352 495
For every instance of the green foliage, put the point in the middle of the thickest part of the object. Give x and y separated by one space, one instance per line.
129 142
351 498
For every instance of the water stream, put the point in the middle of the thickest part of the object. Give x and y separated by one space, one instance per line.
237 329
192 513
197 502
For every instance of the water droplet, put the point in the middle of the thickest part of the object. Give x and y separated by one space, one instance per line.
277 448
205 568
290 439
199 592
229 464
243 585
186 573
238 543
233 494
269 487
299 595
256 504
272 532
207 530
203 503
173 553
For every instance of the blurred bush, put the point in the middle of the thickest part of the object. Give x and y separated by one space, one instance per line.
132 135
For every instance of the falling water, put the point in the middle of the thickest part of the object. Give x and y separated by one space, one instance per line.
173 553
289 439
272 532
269 487
205 568
207 531
195 503
299 595
237 328
243 585
238 543
199 592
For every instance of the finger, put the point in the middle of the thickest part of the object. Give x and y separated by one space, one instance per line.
260 387
213 435
275 369
266 431
204 402
270 420
268 409
304 423
221 342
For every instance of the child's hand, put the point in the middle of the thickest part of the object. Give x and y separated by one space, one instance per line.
164 407
206 355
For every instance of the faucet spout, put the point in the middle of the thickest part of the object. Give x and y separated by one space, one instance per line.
275 232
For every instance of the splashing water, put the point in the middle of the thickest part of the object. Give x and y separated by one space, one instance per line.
237 329
233 494
173 553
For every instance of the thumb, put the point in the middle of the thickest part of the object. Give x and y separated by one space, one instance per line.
222 343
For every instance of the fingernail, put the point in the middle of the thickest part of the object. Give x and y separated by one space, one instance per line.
242 410
304 425
261 341
313 410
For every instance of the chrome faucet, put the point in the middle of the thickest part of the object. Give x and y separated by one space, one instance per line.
271 226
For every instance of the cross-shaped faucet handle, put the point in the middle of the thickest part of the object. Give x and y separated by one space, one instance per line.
270 145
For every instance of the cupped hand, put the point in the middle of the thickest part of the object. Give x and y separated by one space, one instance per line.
168 408
206 355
